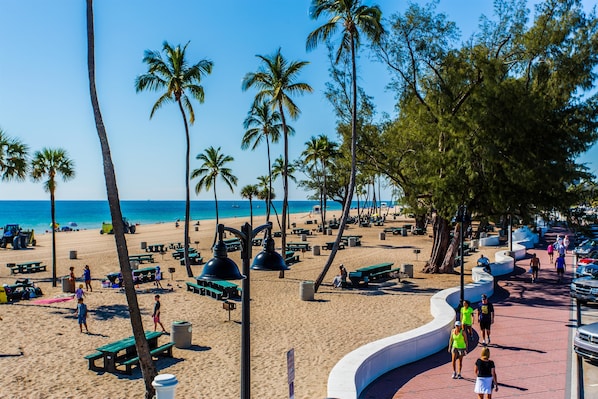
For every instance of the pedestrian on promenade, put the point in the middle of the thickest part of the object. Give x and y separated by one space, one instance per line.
486 318
485 375
467 319
550 251
560 268
534 265
457 348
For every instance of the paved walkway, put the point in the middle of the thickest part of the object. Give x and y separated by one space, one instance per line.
530 344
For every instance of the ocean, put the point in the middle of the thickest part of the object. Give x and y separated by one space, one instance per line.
90 214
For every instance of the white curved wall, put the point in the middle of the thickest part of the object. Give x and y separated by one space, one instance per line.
359 368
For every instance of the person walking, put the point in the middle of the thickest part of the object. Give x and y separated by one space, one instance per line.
81 314
485 318
87 278
550 251
485 372
156 314
467 319
560 268
158 278
457 349
534 265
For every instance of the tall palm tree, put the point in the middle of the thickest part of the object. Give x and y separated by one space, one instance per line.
276 82
52 163
148 369
319 153
262 124
249 191
13 158
278 170
267 194
353 19
213 166
180 82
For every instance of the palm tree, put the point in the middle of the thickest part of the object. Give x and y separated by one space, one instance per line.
319 153
148 369
276 82
52 163
262 124
353 19
249 191
178 80
278 170
213 166
13 158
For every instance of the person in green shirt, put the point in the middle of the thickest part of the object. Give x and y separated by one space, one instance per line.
467 319
458 348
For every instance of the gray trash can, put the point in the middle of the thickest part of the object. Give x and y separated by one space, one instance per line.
404 231
329 232
143 244
316 250
306 290
180 334
407 269
67 285
382 236
352 241
73 255
303 237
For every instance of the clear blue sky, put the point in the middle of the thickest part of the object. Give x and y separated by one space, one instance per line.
44 95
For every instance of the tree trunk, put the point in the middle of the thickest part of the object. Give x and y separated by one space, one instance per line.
53 217
187 192
148 369
268 199
285 183
443 252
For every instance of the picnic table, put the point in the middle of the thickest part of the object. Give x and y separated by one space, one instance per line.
232 244
142 258
27 267
301 230
194 258
361 276
216 289
122 353
345 239
298 246
290 257
394 230
155 248
179 253
175 245
329 245
139 276
256 242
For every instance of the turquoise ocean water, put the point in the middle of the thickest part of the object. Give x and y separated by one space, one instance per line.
91 214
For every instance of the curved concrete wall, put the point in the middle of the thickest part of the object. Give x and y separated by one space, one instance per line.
359 368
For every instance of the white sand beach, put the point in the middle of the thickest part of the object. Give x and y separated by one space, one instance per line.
321 332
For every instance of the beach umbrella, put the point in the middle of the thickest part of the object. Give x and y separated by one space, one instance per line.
56 225
72 224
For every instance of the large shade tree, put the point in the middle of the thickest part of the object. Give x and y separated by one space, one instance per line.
276 82
213 167
263 125
52 164
148 369
13 158
352 19
180 82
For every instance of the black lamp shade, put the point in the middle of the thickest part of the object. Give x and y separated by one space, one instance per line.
220 269
271 261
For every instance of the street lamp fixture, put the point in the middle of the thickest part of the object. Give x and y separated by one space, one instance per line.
222 268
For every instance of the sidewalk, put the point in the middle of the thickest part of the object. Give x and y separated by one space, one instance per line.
530 344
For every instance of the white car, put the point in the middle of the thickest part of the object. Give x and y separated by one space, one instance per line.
585 343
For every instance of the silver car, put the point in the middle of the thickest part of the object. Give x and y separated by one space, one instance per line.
585 343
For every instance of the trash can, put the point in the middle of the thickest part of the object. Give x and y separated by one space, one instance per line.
73 255
67 285
134 264
306 290
382 236
404 231
352 241
303 237
181 334
407 269
165 386
329 232
316 250
143 245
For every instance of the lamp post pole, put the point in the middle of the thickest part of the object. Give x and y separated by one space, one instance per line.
247 235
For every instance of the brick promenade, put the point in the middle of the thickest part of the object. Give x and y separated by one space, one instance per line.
530 344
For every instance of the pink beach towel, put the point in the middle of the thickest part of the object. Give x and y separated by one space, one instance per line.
47 301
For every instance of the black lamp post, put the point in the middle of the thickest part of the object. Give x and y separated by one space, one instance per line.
222 268
462 217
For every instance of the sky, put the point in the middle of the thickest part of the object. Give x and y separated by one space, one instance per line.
44 93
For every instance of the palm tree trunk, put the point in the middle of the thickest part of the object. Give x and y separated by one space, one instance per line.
187 191
285 183
351 188
268 200
250 211
53 217
148 369
217 221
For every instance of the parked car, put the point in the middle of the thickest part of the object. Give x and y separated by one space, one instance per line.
586 247
585 342
585 288
592 257
586 269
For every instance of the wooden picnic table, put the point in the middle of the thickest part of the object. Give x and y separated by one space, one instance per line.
218 288
124 353
363 275
298 246
142 258
27 267
179 253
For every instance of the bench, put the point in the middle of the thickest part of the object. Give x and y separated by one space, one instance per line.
180 253
289 260
363 275
213 292
91 358
142 258
329 245
394 230
27 267
144 275
194 259
195 288
165 350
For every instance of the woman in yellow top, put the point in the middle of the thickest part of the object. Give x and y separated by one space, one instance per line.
458 348
467 319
